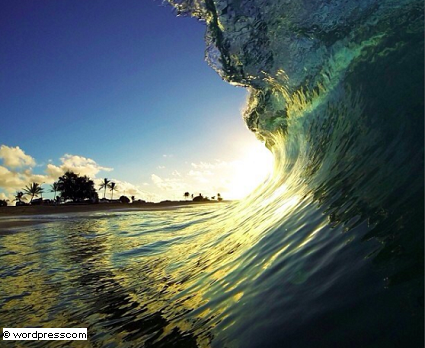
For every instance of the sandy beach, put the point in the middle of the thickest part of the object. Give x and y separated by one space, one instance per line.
9 216
66 209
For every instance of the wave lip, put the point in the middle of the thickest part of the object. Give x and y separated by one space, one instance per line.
336 93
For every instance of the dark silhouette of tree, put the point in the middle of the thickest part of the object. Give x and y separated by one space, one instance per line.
54 188
3 203
124 199
19 196
219 198
199 198
104 185
33 190
133 199
76 187
112 187
186 195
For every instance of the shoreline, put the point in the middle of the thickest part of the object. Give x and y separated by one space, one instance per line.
9 216
12 211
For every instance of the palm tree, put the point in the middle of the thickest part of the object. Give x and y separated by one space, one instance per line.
219 198
104 185
54 188
18 197
112 186
186 195
34 190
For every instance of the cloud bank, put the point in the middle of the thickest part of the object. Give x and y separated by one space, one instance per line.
16 171
14 157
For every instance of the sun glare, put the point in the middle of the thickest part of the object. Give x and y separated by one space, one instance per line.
251 171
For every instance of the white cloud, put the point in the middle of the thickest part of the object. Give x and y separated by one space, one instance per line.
82 165
198 173
77 164
156 179
208 165
16 171
161 167
200 176
203 165
14 157
176 173
123 188
11 180
167 184
54 171
10 198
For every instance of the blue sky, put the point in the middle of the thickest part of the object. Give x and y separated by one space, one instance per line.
123 88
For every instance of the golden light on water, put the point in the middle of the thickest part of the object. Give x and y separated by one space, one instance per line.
180 280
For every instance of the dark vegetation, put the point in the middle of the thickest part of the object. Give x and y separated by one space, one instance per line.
77 188
71 188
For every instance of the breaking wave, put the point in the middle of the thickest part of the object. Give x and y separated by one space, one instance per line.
328 252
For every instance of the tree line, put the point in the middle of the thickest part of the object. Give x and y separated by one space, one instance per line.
200 197
70 186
